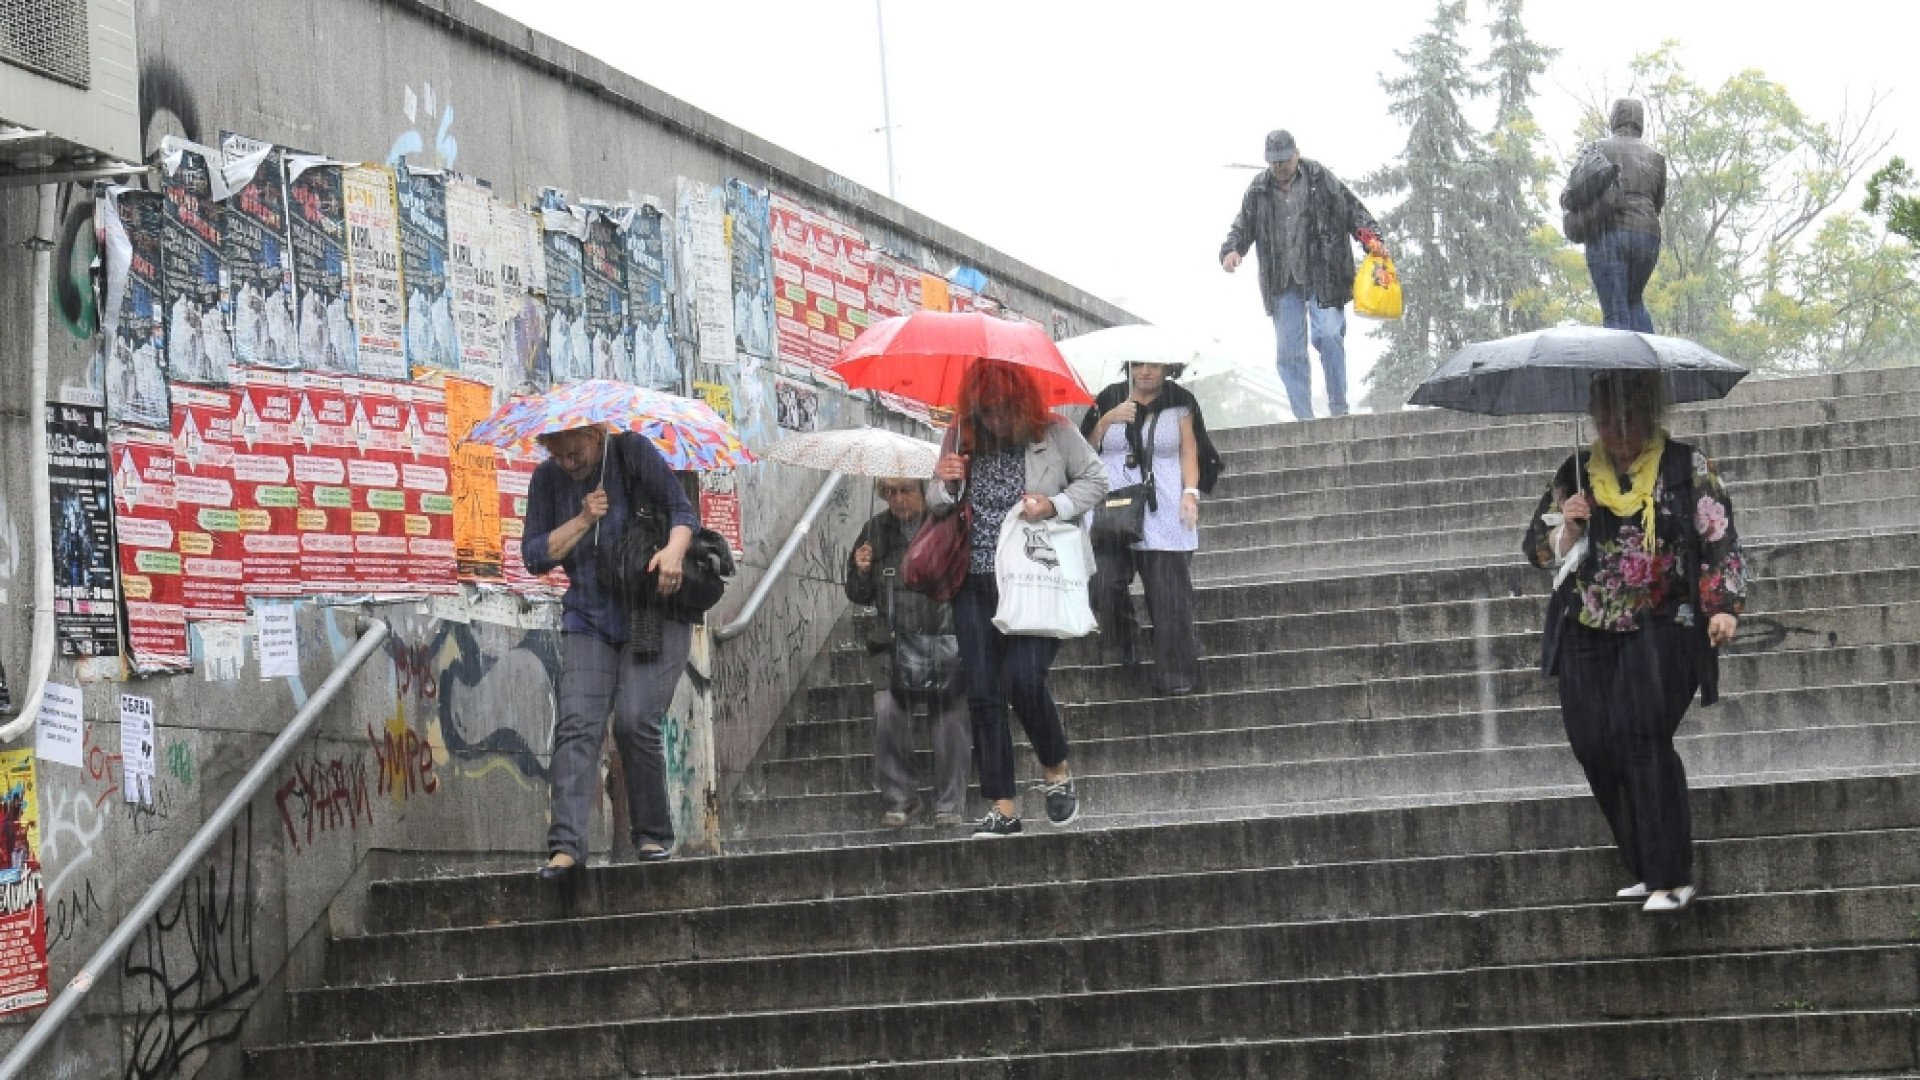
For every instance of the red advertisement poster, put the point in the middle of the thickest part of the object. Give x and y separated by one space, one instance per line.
821 269
378 520
23 898
212 561
325 517
720 507
426 477
513 473
144 510
268 501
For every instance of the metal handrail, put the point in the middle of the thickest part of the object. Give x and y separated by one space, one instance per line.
372 635
775 568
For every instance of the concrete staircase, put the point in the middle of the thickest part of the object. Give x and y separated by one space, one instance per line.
1366 851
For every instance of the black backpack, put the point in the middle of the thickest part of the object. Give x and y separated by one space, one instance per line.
1591 197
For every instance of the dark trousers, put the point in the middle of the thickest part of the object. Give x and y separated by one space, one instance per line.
1622 696
1621 261
1005 669
1168 579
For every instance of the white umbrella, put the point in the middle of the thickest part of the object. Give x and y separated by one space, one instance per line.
1100 357
858 452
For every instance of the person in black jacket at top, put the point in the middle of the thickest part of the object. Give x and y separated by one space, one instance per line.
1145 426
909 620
1626 247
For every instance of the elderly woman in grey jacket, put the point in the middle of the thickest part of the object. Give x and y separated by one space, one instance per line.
1623 252
1007 454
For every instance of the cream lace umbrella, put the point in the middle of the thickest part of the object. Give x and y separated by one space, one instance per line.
858 452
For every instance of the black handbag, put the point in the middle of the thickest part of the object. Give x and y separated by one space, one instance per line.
925 663
1121 519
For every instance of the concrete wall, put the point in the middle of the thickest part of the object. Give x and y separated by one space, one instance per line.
437 754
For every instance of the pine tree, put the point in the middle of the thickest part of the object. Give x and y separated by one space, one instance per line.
1518 238
1434 232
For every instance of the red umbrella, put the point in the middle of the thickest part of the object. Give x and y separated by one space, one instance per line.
923 356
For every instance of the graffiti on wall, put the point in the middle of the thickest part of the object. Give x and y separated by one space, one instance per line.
426 113
323 796
194 962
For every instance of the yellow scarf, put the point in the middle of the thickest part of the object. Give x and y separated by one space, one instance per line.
1636 501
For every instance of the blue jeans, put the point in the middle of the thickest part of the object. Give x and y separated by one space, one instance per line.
1621 261
1294 311
1003 669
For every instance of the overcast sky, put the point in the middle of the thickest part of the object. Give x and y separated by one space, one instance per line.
1099 147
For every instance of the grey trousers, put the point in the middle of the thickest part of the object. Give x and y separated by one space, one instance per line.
597 679
893 771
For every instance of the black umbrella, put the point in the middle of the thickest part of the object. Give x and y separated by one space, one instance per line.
1550 371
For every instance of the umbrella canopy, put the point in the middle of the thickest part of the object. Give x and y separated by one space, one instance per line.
688 433
858 452
924 355
1549 371
1101 357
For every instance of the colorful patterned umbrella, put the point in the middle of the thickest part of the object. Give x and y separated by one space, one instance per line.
689 434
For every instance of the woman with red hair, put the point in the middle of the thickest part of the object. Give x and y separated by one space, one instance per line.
1004 454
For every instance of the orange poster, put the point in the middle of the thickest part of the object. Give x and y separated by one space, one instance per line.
933 292
476 488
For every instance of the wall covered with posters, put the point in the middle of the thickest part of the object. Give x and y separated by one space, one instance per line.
367 209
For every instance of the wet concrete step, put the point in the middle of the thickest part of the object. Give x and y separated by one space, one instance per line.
1888 611
1066 961
1774 981
1454 541
1370 894
1416 678
840 759
1726 432
1484 773
1781 398
1239 498
1800 1045
1738 812
1409 508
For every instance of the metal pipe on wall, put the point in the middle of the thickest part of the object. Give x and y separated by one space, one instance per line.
41 661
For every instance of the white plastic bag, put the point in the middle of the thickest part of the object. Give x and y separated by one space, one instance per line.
1042 569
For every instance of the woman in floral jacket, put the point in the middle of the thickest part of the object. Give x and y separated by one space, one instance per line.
1657 583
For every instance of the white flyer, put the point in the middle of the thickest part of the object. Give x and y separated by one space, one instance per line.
278 640
62 726
136 748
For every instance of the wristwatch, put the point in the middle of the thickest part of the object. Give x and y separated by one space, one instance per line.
1195 492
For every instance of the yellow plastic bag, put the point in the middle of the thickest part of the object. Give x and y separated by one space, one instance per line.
1376 289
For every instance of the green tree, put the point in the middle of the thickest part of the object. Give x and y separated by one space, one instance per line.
1757 263
1891 194
1518 241
1435 229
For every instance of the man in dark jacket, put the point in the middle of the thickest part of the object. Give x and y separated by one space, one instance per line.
908 620
1622 253
1301 215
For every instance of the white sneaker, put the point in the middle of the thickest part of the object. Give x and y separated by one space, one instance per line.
1669 899
1633 892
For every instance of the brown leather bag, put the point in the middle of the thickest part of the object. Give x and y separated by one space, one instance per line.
936 561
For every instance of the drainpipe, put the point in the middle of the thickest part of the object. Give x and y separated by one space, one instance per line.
42 658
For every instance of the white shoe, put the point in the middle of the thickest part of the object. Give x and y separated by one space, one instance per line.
1633 892
1669 899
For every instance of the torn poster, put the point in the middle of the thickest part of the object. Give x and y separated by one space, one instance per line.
752 270
133 317
708 270
473 278
649 292
569 347
322 279
199 341
253 239
523 310
609 337
432 342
